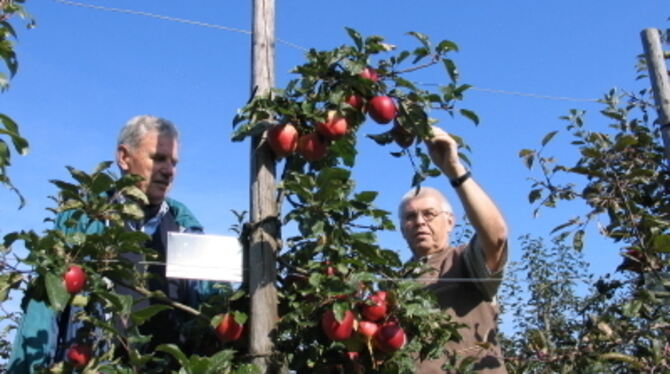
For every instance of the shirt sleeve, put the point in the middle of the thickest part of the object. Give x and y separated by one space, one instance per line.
475 262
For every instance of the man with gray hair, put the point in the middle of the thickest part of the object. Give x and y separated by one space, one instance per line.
147 146
465 279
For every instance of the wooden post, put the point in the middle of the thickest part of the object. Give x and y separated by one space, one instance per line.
658 74
263 203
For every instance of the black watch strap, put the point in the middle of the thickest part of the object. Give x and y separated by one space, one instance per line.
458 181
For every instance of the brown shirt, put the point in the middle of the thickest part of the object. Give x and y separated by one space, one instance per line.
469 302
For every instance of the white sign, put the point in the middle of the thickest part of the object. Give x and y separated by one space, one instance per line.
204 257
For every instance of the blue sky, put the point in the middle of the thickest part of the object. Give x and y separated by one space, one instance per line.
84 72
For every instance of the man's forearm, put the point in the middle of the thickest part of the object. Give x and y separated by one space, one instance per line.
486 219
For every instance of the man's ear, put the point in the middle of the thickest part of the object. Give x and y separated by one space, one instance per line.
123 157
451 222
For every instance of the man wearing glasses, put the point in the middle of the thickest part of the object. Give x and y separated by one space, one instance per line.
465 279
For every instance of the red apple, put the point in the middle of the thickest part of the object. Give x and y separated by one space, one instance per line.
334 128
311 147
228 330
355 101
337 330
283 139
378 307
390 338
382 109
369 73
78 355
401 135
367 329
74 279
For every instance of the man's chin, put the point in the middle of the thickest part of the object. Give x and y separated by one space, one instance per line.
155 199
157 194
421 250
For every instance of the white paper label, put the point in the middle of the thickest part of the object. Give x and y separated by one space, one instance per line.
204 257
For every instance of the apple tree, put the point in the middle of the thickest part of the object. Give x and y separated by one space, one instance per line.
9 133
73 271
9 130
333 271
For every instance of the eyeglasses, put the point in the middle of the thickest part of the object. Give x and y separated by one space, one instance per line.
428 215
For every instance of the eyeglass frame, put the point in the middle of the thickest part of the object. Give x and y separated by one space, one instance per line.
427 218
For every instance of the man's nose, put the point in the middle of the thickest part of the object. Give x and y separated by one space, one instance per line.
168 169
420 219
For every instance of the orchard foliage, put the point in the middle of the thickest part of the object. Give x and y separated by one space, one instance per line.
9 130
621 178
334 262
94 209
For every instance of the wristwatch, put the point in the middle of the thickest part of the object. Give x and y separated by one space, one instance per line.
456 182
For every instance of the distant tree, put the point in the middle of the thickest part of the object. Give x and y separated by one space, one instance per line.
547 312
621 178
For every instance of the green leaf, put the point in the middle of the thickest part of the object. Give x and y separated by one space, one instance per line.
446 46
366 196
528 157
20 144
547 138
219 362
356 37
80 300
240 317
470 115
147 313
632 308
58 295
133 210
175 352
564 225
421 37
662 243
79 176
102 166
65 185
578 240
451 69
123 304
534 195
7 282
381 139
101 183
616 356
417 179
136 193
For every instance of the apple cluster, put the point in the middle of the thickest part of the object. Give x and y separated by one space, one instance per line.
285 139
371 323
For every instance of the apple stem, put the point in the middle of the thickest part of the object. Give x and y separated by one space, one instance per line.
372 354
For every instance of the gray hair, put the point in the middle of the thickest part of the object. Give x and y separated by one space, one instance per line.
137 127
421 192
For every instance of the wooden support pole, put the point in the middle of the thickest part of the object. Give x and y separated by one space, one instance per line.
658 74
263 204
